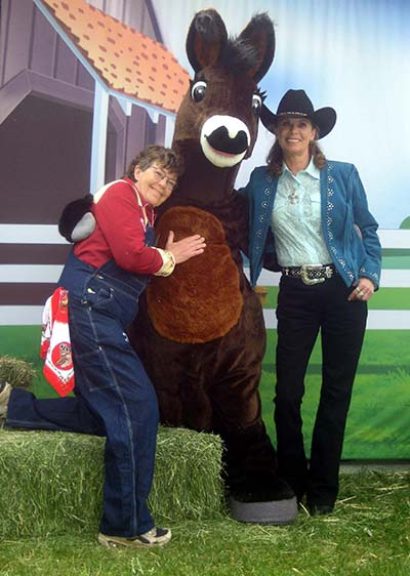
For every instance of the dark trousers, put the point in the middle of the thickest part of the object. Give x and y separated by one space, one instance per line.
303 311
114 396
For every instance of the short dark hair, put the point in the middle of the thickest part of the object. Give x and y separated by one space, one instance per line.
166 158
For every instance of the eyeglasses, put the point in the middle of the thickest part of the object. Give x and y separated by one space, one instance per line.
161 175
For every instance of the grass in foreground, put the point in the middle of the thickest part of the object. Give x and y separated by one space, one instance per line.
368 535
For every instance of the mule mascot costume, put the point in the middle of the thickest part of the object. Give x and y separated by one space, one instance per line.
200 332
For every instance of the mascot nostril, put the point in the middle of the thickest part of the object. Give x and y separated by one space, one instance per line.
224 140
221 141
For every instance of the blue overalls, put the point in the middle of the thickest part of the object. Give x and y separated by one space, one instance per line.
113 395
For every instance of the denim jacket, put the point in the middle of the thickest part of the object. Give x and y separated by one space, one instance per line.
349 229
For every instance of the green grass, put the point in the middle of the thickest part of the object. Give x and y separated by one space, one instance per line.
21 341
381 348
368 535
377 428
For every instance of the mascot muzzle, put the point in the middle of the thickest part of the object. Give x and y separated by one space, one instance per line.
224 140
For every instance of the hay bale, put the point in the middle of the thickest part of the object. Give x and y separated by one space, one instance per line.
16 371
51 482
187 482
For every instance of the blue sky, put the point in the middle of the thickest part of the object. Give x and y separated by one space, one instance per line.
353 55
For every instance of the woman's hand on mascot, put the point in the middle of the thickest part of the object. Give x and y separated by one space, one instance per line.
186 248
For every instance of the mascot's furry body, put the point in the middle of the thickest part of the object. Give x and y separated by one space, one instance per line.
201 333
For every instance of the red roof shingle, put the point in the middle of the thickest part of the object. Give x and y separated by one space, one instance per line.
127 60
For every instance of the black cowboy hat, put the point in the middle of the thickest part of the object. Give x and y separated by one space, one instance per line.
297 103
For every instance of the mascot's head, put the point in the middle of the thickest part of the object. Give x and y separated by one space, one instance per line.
221 110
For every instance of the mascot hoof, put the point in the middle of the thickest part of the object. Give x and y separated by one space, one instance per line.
277 512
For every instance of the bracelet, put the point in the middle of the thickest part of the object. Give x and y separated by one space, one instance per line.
168 263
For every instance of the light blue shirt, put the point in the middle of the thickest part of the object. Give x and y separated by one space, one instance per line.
296 219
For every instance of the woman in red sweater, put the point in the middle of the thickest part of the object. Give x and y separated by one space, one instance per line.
105 274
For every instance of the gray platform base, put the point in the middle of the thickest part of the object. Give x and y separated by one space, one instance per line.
277 512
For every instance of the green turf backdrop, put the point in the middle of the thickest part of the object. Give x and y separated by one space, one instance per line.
378 420
378 423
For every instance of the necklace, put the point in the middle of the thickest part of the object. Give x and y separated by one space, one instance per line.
293 197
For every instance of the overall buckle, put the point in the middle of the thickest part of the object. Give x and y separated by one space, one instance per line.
306 275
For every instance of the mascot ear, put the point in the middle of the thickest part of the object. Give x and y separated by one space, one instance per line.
260 34
206 37
77 221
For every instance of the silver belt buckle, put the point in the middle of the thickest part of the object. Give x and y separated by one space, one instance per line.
304 275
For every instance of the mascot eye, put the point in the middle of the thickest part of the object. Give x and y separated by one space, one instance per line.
198 91
256 104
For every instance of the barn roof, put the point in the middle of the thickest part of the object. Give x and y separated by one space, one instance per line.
128 61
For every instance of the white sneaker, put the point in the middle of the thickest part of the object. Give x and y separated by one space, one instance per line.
154 537
5 391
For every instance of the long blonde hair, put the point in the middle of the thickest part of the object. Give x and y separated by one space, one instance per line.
275 157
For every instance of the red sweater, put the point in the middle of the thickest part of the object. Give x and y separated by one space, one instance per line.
120 231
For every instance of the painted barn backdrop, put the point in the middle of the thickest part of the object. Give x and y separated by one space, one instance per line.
84 84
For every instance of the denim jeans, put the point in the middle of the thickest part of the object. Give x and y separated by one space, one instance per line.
113 394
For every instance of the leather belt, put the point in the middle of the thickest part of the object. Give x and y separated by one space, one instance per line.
310 274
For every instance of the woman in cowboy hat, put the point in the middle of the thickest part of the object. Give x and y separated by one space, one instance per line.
309 219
